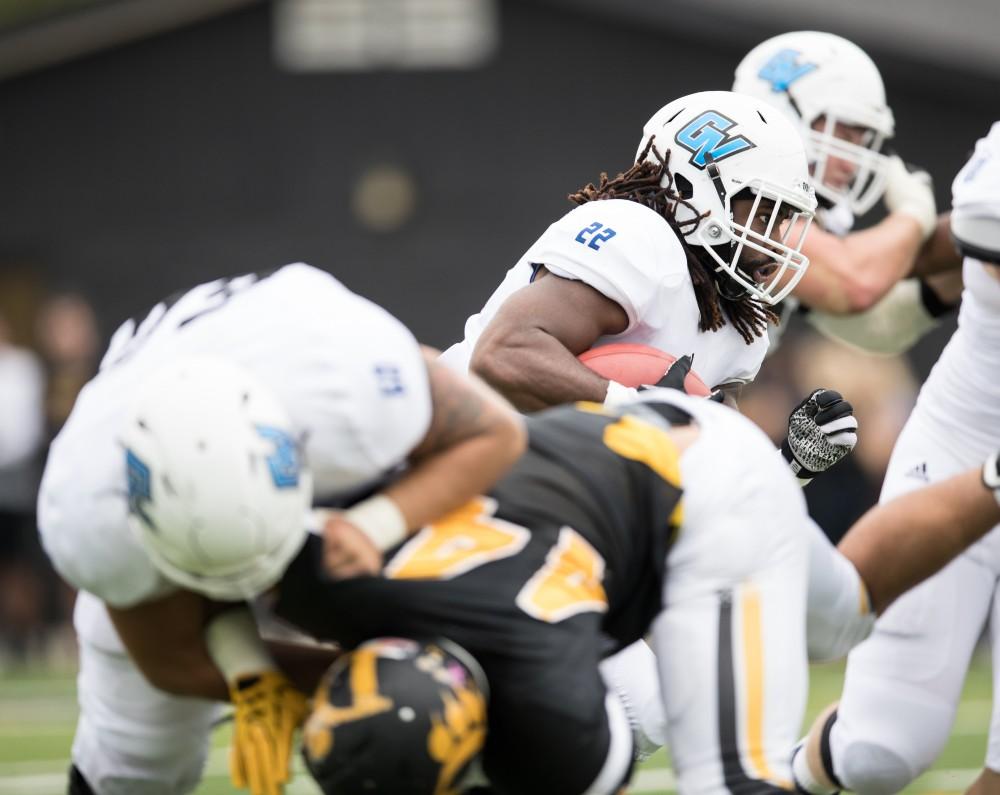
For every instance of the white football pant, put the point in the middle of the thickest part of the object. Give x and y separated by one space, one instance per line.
132 739
904 683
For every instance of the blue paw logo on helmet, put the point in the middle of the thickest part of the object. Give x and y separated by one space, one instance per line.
140 492
784 69
284 461
706 137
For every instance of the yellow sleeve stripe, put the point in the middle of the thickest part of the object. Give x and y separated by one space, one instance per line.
753 661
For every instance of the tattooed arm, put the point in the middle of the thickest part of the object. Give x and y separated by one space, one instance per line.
473 439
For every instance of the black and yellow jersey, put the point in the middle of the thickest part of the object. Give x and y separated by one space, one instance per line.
561 564
581 524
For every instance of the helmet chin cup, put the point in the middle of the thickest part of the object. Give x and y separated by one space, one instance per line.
729 289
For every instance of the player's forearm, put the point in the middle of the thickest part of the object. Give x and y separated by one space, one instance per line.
876 259
196 676
900 543
443 482
303 664
165 639
938 254
474 438
533 370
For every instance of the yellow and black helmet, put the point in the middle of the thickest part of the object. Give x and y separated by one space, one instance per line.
397 716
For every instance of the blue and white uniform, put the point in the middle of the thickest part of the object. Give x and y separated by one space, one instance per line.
355 386
904 683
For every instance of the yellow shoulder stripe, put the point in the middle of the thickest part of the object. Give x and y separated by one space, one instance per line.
639 441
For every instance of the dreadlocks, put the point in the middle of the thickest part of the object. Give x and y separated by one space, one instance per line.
652 184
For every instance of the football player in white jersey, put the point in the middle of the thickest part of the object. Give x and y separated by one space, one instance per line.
363 399
685 252
857 288
655 525
903 684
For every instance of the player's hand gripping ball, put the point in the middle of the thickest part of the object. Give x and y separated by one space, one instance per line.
639 366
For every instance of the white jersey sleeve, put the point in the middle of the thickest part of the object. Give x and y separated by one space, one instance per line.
377 403
978 182
624 250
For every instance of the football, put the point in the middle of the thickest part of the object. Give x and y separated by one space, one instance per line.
637 365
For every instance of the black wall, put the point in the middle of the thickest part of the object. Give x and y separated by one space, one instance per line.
140 170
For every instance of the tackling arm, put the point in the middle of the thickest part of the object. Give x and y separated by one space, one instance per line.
473 439
901 543
165 638
528 351
850 274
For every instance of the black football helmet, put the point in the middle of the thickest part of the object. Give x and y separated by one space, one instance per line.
397 716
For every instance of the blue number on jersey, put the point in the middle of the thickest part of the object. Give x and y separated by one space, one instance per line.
596 237
706 136
390 381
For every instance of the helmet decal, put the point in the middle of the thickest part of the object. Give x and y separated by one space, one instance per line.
366 701
783 69
284 461
397 715
706 136
457 733
139 488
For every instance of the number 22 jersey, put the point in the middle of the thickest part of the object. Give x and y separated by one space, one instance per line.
631 255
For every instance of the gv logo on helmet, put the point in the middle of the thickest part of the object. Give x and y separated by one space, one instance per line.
706 137
784 69
284 461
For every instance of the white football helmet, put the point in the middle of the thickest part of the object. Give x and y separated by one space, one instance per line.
217 489
721 144
810 75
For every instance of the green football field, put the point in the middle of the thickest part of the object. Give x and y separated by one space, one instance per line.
37 714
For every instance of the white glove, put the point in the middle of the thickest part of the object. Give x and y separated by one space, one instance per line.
619 395
822 429
911 193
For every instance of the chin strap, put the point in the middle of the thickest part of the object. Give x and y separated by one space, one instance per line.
713 171
727 288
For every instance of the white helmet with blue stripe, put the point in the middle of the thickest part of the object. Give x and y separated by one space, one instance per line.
218 493
720 146
834 92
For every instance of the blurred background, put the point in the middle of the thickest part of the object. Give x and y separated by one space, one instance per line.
414 148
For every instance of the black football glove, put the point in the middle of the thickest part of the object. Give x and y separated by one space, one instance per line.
822 429
677 372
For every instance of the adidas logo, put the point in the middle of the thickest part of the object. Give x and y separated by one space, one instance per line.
919 472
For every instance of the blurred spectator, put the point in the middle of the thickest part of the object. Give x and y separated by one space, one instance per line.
69 343
22 387
882 390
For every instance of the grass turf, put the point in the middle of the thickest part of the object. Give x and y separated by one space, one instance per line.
38 711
